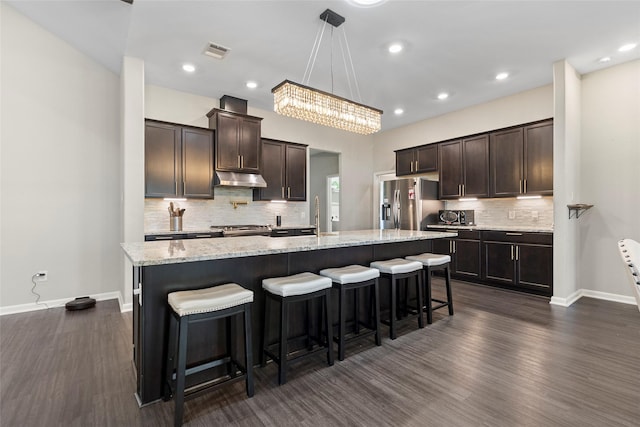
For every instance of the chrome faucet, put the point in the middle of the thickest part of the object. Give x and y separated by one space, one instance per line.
317 215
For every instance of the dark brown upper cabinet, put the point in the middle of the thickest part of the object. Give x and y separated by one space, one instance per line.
464 167
284 168
178 161
417 160
237 141
522 160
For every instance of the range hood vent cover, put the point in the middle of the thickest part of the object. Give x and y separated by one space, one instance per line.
236 179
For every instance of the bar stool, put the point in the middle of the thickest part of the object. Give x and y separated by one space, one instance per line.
401 269
354 277
287 290
433 262
187 307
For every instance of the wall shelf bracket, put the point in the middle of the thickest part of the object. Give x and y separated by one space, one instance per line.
578 209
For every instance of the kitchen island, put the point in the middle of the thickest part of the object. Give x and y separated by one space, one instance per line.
161 267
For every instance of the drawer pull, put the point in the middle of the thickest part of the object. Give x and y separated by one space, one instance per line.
164 238
513 234
202 236
282 232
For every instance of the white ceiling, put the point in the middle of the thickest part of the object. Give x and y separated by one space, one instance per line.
452 46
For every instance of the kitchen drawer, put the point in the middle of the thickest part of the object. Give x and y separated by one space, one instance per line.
518 237
289 232
178 236
462 234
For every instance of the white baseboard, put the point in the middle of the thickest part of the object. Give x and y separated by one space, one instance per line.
43 305
566 302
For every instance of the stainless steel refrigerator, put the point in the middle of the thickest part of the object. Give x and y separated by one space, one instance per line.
409 204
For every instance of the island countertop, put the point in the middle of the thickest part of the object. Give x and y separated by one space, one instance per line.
180 251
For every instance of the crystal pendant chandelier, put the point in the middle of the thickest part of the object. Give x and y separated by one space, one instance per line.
303 102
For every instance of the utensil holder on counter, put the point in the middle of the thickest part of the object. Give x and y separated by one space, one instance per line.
175 223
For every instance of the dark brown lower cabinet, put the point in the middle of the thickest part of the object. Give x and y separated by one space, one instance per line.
512 260
522 261
465 254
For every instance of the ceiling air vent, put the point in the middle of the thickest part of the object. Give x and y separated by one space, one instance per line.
216 51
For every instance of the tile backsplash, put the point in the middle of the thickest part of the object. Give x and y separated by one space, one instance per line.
199 215
509 211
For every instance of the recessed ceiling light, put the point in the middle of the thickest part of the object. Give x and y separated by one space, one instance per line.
627 47
367 2
443 95
502 76
252 85
189 68
395 48
604 59
398 111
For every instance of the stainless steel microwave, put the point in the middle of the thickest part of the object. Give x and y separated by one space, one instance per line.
456 217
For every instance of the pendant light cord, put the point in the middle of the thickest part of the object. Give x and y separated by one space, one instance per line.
306 78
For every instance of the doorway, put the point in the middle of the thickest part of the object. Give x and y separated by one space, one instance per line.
324 174
333 203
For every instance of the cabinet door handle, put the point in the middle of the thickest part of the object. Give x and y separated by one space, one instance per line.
239 161
525 185
517 253
282 192
184 188
454 246
416 166
511 252
411 166
520 186
464 190
288 192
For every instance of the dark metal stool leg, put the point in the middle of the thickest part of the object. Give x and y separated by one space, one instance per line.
418 279
449 296
326 303
181 370
342 303
264 340
284 327
376 308
356 310
427 297
170 360
248 351
392 322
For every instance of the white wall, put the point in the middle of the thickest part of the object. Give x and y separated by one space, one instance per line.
131 163
610 179
566 180
60 173
356 154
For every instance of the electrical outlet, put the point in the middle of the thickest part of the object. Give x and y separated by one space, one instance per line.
512 214
42 276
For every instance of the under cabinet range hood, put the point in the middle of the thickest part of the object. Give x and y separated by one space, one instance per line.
237 179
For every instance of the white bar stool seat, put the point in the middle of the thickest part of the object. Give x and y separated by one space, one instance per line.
355 277
298 284
430 260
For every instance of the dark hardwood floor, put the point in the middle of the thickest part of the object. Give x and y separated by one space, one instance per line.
504 359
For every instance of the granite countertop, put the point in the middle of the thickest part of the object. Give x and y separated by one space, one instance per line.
180 251
523 228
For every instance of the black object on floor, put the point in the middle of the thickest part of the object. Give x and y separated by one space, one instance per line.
80 303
